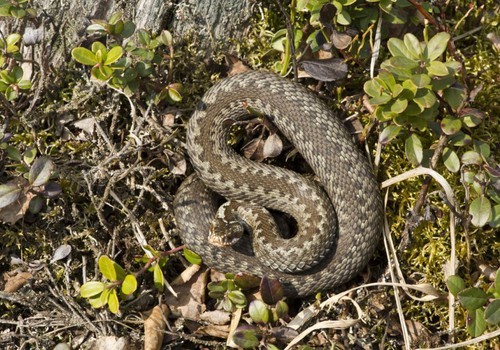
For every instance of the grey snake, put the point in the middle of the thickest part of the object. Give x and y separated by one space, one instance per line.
346 180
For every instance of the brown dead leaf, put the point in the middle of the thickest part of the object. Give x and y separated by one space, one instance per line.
14 281
190 301
340 40
236 66
168 120
154 326
218 317
111 343
214 331
254 150
419 334
16 210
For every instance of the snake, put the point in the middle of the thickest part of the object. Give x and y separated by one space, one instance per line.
342 171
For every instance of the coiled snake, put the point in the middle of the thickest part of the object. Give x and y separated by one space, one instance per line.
327 147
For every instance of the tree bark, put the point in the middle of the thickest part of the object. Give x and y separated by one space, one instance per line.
209 24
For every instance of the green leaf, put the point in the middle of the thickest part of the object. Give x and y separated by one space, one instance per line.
413 46
442 83
237 298
259 312
380 100
281 309
398 48
480 209
9 193
413 149
128 29
492 312
451 160
438 68
29 155
476 324
343 18
472 298
450 125
13 153
91 289
495 222
113 303
461 139
173 93
158 278
398 106
12 39
100 300
437 45
166 38
115 17
191 256
454 96
246 337
386 79
390 132
472 157
144 37
482 148
373 88
472 117
114 55
403 62
129 284
84 56
40 171
24 84
100 51
421 80
425 98
110 269
17 73
455 284
454 66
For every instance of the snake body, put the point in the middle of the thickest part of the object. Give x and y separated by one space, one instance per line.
353 201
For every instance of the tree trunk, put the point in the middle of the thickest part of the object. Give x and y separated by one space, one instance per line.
210 23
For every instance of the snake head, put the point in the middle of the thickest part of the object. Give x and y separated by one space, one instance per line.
225 229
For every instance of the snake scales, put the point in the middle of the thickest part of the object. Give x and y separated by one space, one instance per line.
323 142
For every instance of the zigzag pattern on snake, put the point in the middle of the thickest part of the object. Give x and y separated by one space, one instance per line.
325 144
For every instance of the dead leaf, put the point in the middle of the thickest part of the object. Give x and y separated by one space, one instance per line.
214 331
61 252
190 301
186 275
154 326
254 150
272 146
218 317
179 167
16 210
326 14
326 70
111 343
87 125
340 40
236 66
15 281
168 120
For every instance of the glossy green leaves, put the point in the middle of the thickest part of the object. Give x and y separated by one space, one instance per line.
100 294
483 307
